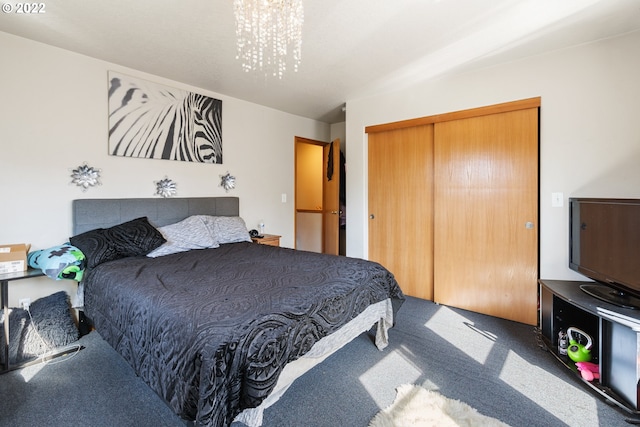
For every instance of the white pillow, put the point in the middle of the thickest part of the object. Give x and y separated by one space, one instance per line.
229 229
194 232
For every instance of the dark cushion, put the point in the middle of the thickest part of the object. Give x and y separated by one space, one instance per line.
133 238
50 326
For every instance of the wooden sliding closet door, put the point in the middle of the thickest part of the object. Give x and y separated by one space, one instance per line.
401 206
486 217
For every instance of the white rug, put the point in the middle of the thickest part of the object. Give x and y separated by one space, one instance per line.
416 406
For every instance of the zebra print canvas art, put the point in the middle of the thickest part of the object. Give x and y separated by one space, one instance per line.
154 121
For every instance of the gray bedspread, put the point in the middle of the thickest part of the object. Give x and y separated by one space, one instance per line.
210 330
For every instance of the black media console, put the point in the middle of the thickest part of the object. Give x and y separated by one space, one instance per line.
615 332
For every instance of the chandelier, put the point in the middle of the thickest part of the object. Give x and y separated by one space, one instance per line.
269 34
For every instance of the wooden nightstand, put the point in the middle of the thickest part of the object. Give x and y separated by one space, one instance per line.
267 239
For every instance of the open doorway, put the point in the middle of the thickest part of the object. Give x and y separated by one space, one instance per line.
319 191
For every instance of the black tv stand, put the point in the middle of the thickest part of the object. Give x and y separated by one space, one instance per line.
612 296
615 332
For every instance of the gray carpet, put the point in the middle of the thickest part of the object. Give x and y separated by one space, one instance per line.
494 365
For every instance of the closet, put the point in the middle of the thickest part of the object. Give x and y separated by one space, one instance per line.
401 206
453 207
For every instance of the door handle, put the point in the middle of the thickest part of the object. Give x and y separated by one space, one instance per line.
334 212
372 216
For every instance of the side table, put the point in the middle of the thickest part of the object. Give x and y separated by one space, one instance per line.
5 278
267 239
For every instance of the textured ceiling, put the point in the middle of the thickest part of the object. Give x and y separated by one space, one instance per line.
351 48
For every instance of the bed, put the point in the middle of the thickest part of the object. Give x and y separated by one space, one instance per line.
220 332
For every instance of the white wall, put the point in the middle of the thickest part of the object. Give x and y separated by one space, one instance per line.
589 137
339 130
53 118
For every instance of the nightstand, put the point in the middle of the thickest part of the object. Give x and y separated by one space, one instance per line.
5 278
267 239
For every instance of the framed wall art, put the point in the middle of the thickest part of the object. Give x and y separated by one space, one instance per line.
154 121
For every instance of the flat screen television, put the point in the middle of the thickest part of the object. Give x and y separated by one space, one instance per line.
604 245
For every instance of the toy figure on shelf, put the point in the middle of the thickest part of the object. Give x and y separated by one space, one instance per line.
588 370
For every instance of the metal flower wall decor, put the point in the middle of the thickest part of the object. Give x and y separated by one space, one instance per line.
165 187
227 182
85 176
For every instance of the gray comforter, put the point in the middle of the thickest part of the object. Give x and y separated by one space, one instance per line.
210 330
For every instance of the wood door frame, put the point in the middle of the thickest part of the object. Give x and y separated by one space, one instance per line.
324 144
523 104
331 199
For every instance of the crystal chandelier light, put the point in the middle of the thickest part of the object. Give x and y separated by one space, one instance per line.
269 34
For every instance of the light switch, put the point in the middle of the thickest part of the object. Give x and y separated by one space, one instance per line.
557 200
284 197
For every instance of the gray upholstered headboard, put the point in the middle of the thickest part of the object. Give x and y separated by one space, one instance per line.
89 214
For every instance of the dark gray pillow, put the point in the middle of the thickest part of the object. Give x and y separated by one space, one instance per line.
50 326
132 238
53 320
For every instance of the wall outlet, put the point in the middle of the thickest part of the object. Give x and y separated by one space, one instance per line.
24 303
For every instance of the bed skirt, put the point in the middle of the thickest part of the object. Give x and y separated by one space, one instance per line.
381 312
